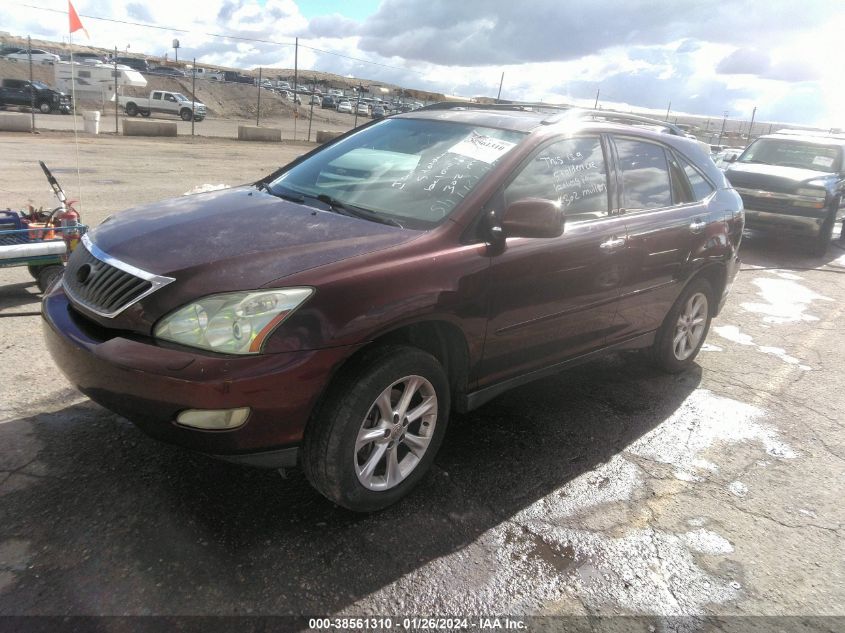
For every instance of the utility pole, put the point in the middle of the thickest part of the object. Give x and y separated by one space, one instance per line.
751 127
724 122
311 114
193 94
501 81
258 106
596 104
31 90
115 92
668 109
295 82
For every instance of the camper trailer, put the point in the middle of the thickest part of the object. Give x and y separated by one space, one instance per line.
90 80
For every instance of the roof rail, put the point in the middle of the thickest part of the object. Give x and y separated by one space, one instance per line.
515 106
619 117
815 133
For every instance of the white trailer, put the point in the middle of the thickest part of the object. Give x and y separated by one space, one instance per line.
89 80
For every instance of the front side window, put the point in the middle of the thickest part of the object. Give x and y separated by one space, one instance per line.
789 153
645 175
570 172
410 171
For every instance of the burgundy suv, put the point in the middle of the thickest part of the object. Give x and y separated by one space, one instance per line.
333 313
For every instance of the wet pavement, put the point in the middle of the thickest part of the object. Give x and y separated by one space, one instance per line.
607 489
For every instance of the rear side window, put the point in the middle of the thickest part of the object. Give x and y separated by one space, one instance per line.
701 188
571 172
645 175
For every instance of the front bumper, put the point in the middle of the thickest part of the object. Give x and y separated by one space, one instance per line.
801 225
150 384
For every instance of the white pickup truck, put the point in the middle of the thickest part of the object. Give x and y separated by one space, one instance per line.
165 102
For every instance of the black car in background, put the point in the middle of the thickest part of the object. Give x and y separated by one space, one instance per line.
329 102
167 71
22 92
793 183
135 63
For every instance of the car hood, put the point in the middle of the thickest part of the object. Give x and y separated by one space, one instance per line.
774 178
237 238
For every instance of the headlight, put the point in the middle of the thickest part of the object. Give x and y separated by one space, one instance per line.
231 323
812 193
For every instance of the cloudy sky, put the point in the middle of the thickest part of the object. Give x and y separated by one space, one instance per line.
705 56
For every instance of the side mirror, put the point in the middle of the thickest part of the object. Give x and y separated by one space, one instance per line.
533 217
732 158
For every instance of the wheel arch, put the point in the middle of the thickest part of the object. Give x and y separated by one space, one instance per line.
716 274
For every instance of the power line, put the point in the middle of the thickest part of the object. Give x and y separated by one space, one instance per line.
224 36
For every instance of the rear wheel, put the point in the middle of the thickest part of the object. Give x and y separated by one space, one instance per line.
684 329
379 428
48 275
131 109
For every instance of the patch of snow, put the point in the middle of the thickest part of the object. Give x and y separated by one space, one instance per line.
786 301
733 333
707 542
738 488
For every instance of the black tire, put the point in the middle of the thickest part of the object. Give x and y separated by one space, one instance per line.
47 275
131 109
45 107
819 246
329 456
32 269
145 113
663 352
186 114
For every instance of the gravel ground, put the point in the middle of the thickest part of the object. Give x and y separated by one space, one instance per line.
607 489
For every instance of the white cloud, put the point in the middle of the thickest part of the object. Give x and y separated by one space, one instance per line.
706 56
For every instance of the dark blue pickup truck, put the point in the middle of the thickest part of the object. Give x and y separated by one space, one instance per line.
20 92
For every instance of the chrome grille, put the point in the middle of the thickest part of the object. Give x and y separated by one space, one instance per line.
104 285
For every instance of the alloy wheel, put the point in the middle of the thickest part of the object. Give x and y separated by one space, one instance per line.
689 329
395 433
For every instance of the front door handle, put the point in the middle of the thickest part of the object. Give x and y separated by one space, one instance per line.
612 244
697 225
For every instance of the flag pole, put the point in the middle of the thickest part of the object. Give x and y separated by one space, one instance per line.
75 130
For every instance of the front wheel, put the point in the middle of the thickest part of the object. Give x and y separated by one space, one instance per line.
145 113
684 329
45 108
379 428
819 246
186 115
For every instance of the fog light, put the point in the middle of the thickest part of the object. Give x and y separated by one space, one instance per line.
213 419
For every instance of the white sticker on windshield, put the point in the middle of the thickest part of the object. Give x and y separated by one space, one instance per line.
823 161
484 148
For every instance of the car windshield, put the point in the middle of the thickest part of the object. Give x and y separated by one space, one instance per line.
410 171
40 85
789 153
180 97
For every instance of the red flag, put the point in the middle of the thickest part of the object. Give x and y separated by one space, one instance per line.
75 22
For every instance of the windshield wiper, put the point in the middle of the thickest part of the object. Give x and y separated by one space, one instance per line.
356 212
261 185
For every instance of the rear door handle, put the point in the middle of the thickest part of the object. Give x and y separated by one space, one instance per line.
612 244
697 225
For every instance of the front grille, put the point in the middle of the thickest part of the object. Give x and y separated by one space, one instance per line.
774 205
102 288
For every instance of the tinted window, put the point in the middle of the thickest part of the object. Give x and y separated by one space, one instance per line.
645 175
700 187
571 172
